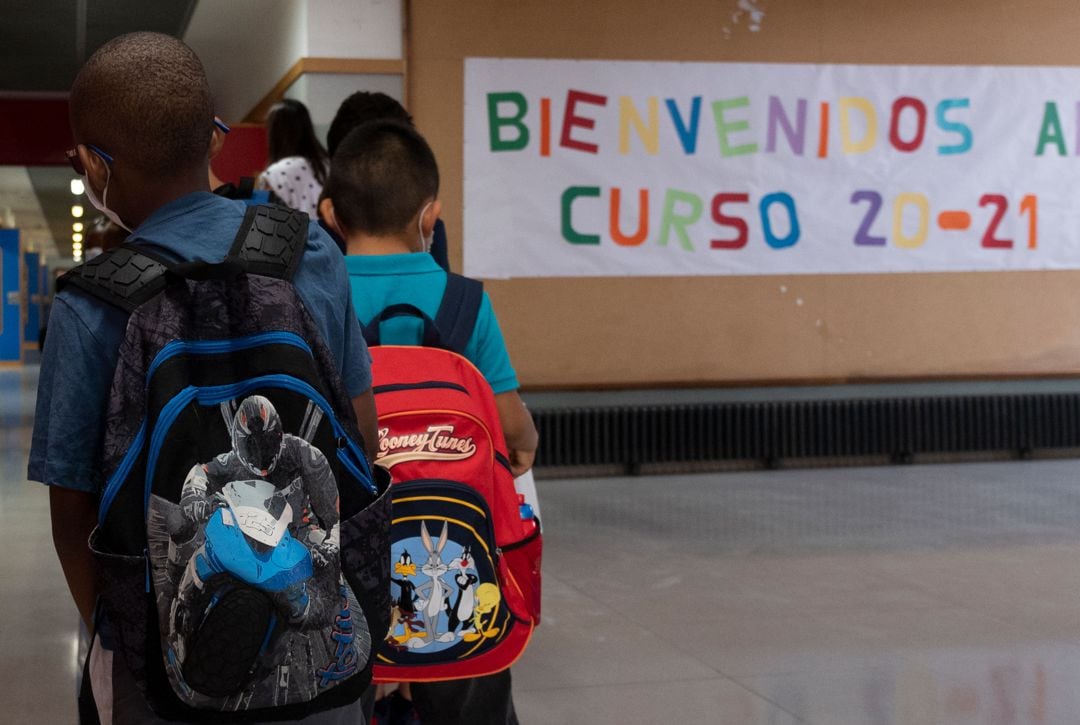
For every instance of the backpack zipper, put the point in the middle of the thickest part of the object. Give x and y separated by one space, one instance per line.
212 347
213 395
400 493
424 385
169 351
121 472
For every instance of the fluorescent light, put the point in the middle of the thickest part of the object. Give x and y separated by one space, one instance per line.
76 237
76 211
77 186
77 227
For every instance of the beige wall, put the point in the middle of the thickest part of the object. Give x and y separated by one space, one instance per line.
730 330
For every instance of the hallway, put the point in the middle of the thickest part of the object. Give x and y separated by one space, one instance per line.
918 595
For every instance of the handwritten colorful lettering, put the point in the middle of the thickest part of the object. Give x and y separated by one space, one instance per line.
615 168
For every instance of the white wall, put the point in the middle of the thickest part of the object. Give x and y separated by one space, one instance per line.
322 93
354 28
248 45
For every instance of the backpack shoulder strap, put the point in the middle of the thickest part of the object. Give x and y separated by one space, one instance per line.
373 335
458 311
125 277
271 241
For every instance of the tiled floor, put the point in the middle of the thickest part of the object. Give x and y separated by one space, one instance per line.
923 595
903 596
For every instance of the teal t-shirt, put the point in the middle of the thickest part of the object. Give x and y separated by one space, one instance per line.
379 281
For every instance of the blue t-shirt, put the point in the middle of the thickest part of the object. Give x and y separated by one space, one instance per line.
379 281
85 334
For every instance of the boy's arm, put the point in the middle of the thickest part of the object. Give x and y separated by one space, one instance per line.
487 350
356 370
74 515
77 365
367 420
519 431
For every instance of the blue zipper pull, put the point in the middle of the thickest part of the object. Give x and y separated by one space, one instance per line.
146 558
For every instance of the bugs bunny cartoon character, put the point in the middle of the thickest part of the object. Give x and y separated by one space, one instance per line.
435 591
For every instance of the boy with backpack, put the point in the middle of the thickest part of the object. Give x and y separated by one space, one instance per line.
366 106
168 574
381 198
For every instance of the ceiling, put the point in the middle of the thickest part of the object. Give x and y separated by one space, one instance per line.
44 42
42 45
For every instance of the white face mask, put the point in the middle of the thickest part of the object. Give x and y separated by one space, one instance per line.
425 242
101 204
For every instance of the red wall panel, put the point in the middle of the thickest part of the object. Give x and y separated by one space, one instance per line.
35 132
244 153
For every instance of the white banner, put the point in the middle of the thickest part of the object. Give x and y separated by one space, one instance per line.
620 168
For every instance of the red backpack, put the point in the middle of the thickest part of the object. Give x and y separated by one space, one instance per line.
465 551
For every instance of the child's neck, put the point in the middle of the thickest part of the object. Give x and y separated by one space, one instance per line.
365 244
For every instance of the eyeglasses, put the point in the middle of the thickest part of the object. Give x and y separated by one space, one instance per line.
76 162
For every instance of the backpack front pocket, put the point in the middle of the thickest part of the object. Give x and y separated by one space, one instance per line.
245 484
447 601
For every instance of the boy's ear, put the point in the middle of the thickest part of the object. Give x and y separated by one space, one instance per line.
97 171
326 213
431 215
217 142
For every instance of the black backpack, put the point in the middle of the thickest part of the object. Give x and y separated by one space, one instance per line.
242 541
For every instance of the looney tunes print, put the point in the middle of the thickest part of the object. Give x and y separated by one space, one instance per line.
444 601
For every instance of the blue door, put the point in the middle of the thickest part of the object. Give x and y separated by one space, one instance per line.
32 264
11 329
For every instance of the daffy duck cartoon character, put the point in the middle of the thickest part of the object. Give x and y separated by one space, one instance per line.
405 602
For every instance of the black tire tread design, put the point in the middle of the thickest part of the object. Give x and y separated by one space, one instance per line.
222 652
124 277
271 240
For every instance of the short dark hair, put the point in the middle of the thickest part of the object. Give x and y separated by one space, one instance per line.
360 108
290 132
144 99
382 173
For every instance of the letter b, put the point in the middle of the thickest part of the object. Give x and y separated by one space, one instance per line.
496 122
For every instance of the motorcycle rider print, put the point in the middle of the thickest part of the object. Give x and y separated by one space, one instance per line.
252 602
299 473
